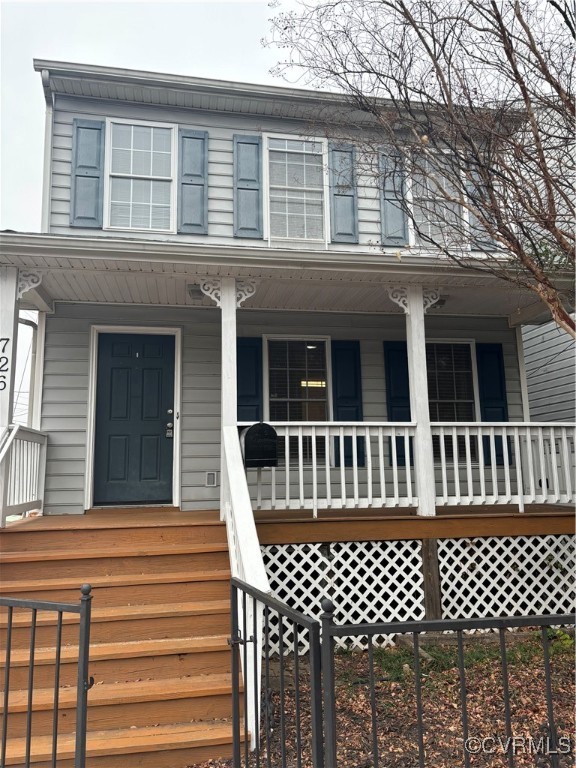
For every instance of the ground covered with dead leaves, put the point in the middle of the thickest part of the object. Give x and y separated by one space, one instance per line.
396 721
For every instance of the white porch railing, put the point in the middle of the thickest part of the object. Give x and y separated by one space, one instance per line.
504 463
374 473
22 471
474 463
246 562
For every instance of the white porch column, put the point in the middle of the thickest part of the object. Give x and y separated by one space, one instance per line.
228 293
229 389
414 301
8 341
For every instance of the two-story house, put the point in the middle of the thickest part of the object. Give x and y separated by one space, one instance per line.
206 262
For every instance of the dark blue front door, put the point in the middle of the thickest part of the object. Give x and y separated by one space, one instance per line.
134 404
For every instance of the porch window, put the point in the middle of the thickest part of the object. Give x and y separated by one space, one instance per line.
141 177
296 182
298 387
450 390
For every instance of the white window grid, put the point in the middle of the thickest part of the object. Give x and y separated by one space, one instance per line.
110 174
309 146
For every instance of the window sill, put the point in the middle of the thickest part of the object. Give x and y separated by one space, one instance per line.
134 229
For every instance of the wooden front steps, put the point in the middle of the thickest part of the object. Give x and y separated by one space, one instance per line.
160 621
166 746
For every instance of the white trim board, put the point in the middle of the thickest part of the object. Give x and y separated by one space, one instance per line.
91 410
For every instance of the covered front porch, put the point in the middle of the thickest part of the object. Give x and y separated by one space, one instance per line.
362 340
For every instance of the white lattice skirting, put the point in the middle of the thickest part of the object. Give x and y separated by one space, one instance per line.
367 581
381 581
519 575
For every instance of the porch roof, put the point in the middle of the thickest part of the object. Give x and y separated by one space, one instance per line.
130 271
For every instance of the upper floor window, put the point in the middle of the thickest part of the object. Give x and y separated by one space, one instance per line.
437 214
141 177
296 189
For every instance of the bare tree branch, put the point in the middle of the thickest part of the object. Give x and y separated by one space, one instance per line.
474 102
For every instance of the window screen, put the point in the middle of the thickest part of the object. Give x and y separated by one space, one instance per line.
140 177
296 181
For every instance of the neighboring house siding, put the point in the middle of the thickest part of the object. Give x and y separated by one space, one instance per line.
65 395
549 355
221 129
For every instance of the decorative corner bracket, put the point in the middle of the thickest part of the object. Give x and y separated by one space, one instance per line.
27 280
244 290
430 297
212 287
399 296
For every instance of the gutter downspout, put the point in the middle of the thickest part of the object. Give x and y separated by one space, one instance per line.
47 172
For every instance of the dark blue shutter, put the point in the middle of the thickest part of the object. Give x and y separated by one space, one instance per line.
393 218
347 394
192 182
343 203
492 391
249 378
247 186
87 175
398 390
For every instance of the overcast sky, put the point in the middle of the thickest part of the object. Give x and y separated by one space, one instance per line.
203 39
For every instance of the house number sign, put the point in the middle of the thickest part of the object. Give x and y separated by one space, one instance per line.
4 362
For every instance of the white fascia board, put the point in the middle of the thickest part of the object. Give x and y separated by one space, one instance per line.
124 249
185 83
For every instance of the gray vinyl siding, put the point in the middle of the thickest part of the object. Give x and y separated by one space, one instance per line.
549 355
65 392
221 129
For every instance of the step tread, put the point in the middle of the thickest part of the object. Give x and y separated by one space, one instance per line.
26 555
120 580
116 518
131 692
122 612
130 649
126 741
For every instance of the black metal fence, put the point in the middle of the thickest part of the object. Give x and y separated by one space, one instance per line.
303 725
293 721
83 609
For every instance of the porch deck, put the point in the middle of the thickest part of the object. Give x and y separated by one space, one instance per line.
291 527
298 526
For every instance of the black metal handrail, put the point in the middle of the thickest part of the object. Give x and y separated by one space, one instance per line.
244 633
84 683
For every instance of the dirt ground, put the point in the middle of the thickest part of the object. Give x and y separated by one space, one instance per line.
396 723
